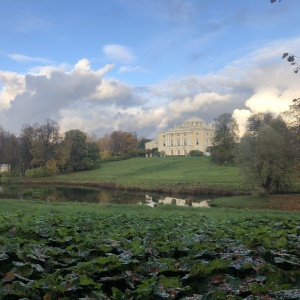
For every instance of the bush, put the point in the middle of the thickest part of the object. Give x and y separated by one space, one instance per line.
116 158
49 169
196 153
5 180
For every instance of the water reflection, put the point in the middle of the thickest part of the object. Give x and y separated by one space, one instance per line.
177 201
91 195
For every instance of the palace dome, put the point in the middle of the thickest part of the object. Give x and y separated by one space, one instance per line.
193 122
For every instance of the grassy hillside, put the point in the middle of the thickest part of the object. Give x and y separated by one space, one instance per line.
180 174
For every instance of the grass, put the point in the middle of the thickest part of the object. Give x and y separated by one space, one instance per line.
289 202
169 174
224 209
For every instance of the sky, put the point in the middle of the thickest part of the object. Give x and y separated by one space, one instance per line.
144 65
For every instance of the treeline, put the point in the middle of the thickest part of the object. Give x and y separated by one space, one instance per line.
40 150
120 145
268 154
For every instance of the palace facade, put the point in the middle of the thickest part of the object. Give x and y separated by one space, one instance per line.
193 134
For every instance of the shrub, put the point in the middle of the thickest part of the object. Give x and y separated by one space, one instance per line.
5 180
116 158
48 170
196 153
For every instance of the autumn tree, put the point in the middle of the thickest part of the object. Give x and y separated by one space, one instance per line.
225 139
122 143
104 146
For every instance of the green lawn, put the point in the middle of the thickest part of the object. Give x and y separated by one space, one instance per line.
281 202
183 174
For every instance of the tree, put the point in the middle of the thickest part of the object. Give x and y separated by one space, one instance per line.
257 121
104 146
141 142
9 149
267 154
45 139
26 139
265 161
122 143
82 154
293 115
225 139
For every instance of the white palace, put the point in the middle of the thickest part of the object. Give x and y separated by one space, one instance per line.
193 134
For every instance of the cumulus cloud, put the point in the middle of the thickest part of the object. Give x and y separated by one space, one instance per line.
13 84
34 97
241 116
119 53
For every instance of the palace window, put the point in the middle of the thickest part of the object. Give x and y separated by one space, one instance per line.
197 141
178 142
178 152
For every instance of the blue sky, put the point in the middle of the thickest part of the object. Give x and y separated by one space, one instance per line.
144 65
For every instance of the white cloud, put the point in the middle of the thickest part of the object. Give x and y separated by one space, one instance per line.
25 59
241 116
13 85
119 53
268 99
124 69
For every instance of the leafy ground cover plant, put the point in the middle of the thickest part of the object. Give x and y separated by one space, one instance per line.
172 253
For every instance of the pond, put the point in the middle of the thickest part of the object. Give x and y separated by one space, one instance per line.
93 195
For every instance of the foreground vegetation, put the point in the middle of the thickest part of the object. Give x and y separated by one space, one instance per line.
137 252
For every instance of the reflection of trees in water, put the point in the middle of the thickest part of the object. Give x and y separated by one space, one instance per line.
103 197
79 194
126 198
